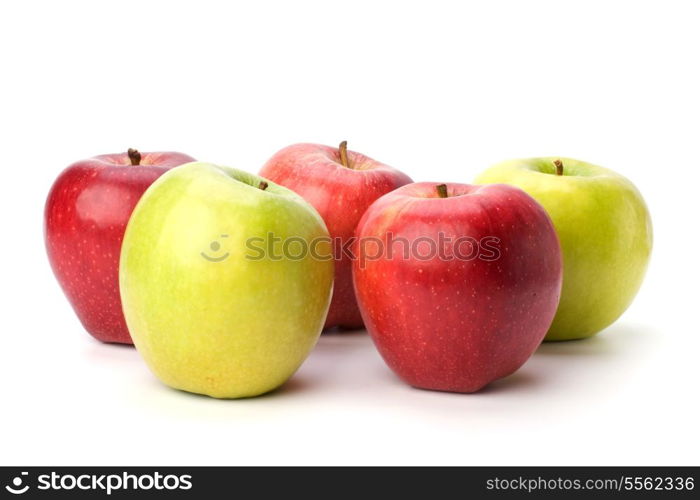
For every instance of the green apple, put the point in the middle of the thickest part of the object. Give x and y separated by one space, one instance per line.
211 303
605 233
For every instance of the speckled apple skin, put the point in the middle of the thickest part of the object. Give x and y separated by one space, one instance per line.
341 195
605 231
457 325
85 216
236 327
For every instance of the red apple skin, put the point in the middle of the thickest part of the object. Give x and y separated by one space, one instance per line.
85 216
457 325
341 195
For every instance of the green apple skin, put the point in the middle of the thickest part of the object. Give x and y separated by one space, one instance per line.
227 325
605 233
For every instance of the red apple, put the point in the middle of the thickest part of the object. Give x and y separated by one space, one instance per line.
472 297
340 184
86 214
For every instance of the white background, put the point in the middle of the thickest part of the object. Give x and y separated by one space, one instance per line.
440 90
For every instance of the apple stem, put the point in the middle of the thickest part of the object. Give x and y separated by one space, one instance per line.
343 150
559 167
134 156
263 185
441 190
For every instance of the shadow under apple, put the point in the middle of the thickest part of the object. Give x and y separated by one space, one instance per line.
616 339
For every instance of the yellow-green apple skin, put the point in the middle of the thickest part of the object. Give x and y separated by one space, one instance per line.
605 233
208 312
